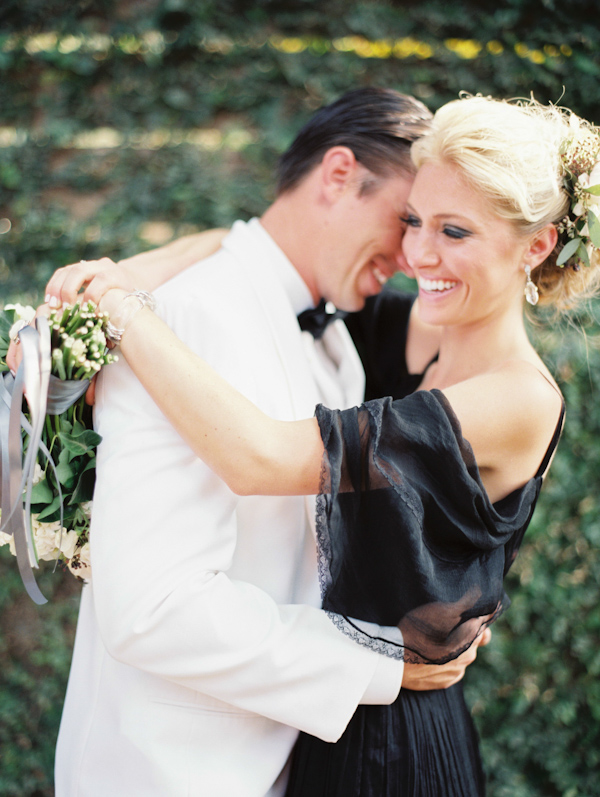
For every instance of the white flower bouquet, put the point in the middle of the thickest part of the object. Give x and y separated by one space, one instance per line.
61 487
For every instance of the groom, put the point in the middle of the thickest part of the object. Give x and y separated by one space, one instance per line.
200 648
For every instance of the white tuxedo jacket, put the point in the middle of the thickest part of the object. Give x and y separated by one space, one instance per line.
200 649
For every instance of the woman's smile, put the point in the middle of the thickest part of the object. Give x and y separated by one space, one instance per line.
436 285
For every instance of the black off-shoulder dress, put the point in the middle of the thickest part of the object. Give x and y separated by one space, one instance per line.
412 556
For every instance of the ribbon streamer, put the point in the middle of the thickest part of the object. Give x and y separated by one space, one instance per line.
64 392
45 394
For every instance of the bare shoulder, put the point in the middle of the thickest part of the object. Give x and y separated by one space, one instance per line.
509 416
515 398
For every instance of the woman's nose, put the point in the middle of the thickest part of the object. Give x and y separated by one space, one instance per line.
419 249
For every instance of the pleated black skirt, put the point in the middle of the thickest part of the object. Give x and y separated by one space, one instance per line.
423 745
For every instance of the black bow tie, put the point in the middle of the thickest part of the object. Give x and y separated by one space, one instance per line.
316 319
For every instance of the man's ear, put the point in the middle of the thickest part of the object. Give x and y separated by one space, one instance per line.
339 169
542 244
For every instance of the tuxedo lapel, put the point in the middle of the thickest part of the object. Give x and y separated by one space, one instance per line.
266 283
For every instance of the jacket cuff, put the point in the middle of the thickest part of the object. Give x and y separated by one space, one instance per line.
385 683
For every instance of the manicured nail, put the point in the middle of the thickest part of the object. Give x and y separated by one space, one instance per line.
53 301
46 298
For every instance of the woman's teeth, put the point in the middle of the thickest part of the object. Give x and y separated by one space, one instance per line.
436 285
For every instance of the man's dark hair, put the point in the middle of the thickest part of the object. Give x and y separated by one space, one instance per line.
377 124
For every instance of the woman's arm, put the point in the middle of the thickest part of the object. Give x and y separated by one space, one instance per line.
252 453
256 455
159 265
145 271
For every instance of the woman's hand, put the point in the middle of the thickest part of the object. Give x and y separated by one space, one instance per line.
100 280
145 271
94 277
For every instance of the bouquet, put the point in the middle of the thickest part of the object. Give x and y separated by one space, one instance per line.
56 488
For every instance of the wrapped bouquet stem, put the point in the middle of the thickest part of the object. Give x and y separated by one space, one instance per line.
47 443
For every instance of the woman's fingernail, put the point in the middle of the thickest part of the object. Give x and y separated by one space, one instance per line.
53 301
46 298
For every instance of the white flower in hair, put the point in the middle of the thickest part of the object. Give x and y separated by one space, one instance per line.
580 157
594 180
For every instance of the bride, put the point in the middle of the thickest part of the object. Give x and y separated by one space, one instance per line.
424 497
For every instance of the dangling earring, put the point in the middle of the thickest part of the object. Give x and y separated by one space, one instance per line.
531 292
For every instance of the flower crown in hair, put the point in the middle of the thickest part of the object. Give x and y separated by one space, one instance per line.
580 157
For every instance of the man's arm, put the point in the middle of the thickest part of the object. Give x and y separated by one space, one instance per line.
144 271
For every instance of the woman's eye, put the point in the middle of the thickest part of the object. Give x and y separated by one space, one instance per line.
456 232
411 221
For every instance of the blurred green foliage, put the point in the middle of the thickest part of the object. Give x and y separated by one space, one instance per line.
125 123
536 691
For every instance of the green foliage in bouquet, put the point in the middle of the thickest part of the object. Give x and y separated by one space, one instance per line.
78 351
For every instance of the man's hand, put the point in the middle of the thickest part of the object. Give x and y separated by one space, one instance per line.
423 677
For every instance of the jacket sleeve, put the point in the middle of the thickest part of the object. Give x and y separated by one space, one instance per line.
163 539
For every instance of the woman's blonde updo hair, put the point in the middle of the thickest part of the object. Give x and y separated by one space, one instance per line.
509 151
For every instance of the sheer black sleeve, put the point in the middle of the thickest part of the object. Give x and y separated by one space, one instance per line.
408 539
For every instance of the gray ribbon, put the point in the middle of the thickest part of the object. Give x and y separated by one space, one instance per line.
45 394
64 392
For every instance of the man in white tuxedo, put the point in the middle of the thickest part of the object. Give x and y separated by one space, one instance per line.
201 649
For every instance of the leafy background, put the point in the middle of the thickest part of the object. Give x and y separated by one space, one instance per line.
126 123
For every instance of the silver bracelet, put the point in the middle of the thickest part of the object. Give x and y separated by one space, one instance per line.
144 299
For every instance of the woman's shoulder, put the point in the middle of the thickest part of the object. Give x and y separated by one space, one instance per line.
510 417
517 387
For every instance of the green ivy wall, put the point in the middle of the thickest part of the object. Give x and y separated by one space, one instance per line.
125 124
